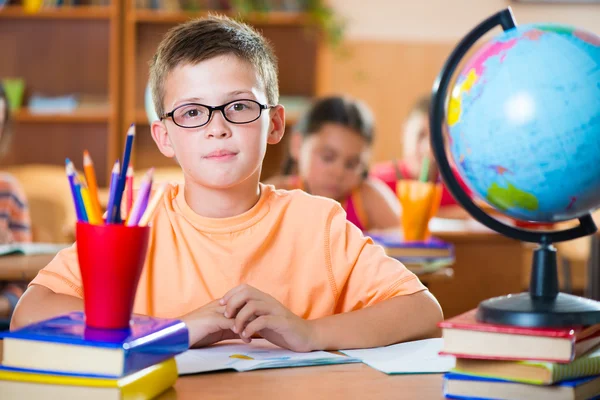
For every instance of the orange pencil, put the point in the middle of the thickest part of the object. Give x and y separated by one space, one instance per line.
92 184
129 190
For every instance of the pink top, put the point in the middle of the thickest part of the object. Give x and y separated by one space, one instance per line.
352 204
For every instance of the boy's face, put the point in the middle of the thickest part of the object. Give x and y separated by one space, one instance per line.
219 154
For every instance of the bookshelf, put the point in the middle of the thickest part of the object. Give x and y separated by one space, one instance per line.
299 48
99 50
59 51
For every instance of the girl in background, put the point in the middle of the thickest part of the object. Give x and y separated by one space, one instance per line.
15 224
329 154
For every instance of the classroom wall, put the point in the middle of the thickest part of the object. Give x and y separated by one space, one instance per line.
395 48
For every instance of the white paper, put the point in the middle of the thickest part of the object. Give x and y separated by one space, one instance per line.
260 354
418 357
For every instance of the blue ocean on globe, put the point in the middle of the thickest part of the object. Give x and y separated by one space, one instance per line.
524 122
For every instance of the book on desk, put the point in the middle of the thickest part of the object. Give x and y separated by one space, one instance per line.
505 362
65 345
419 256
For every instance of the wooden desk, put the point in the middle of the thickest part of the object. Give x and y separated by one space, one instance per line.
349 381
487 265
21 267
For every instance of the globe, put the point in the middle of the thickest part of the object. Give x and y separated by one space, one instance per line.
523 119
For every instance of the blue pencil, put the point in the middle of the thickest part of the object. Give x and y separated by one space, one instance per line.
115 215
112 190
71 177
84 217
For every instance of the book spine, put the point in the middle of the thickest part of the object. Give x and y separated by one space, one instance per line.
152 384
152 351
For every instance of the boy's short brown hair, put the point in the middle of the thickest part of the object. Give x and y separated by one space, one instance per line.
205 38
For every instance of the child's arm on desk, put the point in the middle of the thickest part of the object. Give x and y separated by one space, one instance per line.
398 319
39 303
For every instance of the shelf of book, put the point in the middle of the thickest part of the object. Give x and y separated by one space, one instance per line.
77 12
273 18
82 114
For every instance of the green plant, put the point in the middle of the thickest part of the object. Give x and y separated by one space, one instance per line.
319 12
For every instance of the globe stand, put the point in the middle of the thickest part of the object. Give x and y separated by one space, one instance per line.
543 305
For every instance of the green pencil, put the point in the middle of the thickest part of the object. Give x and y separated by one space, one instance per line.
424 176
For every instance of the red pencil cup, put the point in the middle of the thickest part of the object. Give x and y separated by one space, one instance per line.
111 259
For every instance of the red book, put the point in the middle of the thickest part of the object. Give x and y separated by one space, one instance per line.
465 337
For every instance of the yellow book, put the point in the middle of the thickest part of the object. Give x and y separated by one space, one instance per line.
145 384
533 372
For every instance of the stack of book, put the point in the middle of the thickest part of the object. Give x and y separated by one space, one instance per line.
419 256
61 358
510 362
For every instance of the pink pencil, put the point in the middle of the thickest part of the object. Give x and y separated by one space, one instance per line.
129 190
141 201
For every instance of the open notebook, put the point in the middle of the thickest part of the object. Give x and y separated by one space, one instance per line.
31 249
259 354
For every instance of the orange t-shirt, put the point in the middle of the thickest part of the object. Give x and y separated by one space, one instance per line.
296 247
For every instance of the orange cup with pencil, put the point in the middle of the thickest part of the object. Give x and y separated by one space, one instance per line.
420 201
112 251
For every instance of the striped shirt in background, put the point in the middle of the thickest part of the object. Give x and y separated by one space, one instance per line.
15 222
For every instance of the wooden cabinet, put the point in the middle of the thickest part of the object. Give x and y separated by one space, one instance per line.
63 51
101 54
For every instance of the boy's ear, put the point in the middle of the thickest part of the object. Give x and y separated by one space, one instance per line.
161 138
277 125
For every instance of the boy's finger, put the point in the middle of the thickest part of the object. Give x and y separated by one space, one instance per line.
237 301
249 312
232 292
260 323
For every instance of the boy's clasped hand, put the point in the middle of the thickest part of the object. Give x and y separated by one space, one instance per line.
245 311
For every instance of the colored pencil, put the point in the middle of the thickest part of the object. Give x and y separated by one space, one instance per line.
152 205
141 201
84 217
92 184
424 177
114 183
71 177
129 190
115 213
93 217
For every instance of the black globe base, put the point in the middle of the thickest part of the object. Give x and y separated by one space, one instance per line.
522 309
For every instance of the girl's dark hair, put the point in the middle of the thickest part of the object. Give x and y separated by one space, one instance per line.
344 111
6 129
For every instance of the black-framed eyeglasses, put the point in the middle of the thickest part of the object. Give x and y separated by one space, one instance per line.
194 115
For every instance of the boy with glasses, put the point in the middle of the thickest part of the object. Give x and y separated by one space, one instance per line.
232 257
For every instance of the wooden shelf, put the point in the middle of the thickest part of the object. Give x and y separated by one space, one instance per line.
78 12
273 18
83 114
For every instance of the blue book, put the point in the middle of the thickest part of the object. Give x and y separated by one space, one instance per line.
459 386
65 345
430 250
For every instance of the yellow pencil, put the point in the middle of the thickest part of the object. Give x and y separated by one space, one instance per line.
93 217
147 216
90 176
